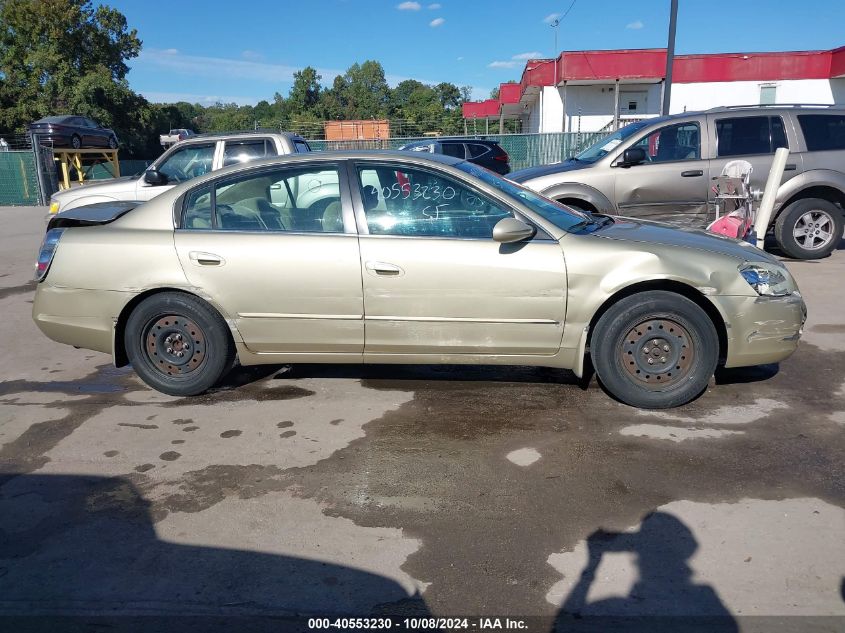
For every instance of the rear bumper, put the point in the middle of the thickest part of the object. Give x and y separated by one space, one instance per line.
761 330
65 315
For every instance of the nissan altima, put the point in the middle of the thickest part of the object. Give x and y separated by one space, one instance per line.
416 258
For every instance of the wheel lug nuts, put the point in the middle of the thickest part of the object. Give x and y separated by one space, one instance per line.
168 340
665 348
662 359
650 361
180 354
169 350
646 350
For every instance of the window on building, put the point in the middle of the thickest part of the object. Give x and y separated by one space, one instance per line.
768 95
823 131
741 136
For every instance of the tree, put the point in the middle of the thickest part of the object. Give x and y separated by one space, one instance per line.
48 48
305 92
366 91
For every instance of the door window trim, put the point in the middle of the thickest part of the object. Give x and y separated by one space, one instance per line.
757 115
180 204
540 235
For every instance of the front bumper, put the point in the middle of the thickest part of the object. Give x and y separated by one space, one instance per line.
761 329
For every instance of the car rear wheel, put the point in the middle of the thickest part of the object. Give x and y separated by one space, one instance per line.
75 142
655 350
809 228
178 344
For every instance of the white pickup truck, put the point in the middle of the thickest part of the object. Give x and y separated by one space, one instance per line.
174 136
185 160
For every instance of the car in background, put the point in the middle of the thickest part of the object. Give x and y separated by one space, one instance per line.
482 152
174 136
185 160
416 259
662 169
77 132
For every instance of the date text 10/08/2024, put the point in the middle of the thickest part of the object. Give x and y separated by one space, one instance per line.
424 623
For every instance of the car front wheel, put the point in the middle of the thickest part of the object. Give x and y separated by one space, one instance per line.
809 228
75 142
655 350
112 142
178 344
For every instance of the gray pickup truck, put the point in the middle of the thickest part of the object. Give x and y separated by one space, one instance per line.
661 169
187 159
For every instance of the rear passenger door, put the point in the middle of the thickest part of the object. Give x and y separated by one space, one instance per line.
753 138
290 280
238 151
824 140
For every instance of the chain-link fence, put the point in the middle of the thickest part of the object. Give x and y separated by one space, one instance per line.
525 150
18 177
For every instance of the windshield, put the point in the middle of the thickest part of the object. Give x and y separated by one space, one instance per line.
561 216
606 144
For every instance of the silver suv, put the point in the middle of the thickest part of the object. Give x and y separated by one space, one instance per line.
187 159
661 168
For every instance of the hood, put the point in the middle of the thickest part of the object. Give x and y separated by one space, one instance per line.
632 230
99 187
524 175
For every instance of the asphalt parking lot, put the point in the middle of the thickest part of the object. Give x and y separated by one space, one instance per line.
419 490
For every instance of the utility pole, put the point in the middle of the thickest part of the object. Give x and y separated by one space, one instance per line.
670 58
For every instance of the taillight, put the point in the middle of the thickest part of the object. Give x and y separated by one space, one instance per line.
45 255
502 156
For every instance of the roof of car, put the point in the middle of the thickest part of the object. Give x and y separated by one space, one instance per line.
223 135
456 139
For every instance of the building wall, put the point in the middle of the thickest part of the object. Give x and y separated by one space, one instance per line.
701 96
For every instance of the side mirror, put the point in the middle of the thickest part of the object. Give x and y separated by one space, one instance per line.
633 156
510 230
154 178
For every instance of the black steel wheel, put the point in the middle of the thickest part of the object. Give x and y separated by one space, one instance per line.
655 350
809 228
178 344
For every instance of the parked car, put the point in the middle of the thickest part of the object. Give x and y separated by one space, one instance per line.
661 169
174 136
188 159
482 152
77 132
420 258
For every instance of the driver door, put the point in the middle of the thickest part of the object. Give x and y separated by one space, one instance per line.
671 185
180 165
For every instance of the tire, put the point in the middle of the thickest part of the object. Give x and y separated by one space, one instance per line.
809 229
666 328
112 142
75 142
156 325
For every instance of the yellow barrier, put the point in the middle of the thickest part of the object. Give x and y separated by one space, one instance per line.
74 158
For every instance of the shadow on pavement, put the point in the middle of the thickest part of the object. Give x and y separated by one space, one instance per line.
81 553
663 597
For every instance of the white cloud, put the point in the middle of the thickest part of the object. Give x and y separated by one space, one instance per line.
500 64
434 7
531 55
252 55
171 51
409 6
551 18
206 100
436 22
637 24
460 59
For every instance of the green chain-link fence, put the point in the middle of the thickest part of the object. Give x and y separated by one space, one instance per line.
18 178
525 150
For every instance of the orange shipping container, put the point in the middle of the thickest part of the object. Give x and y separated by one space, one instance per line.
357 130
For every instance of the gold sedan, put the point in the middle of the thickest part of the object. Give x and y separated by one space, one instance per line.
384 257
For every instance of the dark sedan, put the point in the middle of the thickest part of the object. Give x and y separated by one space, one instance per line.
482 152
77 132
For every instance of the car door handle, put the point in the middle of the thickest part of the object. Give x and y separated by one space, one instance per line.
205 259
692 173
789 167
383 268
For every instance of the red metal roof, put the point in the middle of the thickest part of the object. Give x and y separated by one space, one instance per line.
628 64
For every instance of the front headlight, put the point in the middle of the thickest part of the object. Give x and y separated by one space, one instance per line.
767 279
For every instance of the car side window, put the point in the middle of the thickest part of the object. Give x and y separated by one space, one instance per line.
297 199
418 203
823 131
672 143
301 147
741 136
188 162
236 152
476 149
453 149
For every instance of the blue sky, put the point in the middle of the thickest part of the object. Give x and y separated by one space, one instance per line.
219 50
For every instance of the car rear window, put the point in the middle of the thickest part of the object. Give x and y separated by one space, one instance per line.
823 131
742 136
300 147
477 149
